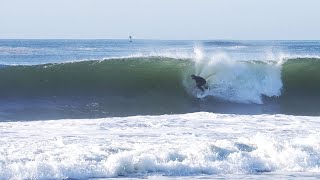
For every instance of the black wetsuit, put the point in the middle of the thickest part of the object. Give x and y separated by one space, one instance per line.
199 81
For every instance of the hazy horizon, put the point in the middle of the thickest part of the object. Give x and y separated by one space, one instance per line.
165 20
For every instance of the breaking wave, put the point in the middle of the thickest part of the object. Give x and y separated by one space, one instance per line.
193 144
163 85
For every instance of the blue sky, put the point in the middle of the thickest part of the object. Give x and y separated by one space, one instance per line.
161 19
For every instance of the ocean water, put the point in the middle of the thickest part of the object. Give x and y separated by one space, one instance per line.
96 109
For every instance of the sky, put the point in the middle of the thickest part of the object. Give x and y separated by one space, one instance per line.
160 19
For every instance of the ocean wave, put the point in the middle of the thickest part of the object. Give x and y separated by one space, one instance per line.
141 146
16 50
156 73
155 84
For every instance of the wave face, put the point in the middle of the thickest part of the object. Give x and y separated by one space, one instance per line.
116 77
301 77
161 85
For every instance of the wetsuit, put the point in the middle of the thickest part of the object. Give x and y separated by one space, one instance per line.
199 81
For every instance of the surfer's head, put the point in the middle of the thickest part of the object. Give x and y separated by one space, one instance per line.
193 76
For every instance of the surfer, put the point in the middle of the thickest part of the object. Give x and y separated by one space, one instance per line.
199 81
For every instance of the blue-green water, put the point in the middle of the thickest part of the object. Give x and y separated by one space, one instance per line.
105 78
97 109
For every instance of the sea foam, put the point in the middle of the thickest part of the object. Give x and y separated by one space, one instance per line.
169 145
238 81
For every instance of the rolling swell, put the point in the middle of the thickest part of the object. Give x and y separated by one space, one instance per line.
301 90
90 89
301 76
117 77
158 85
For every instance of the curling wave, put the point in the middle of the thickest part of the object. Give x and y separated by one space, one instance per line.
163 85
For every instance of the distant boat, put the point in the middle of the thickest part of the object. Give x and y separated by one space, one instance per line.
130 37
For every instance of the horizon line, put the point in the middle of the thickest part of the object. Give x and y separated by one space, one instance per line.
227 39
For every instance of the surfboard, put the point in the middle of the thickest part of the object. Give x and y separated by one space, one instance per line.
203 94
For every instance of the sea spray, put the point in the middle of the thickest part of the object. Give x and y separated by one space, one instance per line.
238 81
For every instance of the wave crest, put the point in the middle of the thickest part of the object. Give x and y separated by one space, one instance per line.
159 85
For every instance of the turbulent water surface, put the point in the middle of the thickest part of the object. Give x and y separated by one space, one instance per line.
85 109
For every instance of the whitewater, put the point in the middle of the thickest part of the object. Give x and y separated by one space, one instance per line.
101 109
188 145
